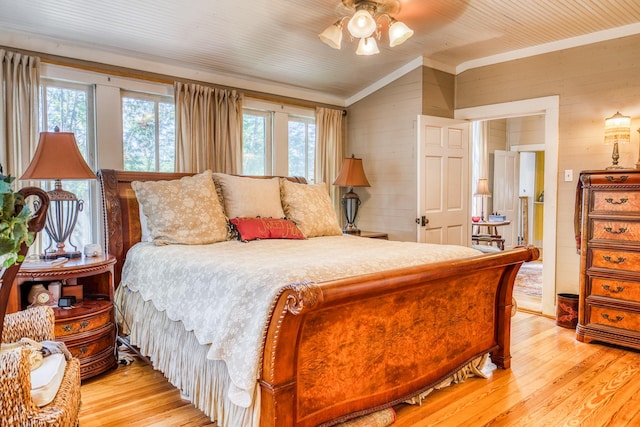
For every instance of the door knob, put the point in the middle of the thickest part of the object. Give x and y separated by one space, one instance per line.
423 220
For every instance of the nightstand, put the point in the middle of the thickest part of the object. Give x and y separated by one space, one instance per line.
374 235
88 327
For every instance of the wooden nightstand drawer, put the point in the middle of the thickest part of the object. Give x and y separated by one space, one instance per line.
616 201
615 318
616 260
627 231
84 318
618 289
96 343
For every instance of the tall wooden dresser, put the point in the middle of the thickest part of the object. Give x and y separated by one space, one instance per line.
609 308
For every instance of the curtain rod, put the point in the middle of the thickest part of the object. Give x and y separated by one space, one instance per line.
161 78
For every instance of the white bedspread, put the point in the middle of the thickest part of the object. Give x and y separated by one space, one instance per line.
223 291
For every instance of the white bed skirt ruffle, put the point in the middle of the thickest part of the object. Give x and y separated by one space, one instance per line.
183 361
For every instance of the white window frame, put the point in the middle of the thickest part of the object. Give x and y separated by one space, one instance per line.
280 130
91 147
268 143
156 99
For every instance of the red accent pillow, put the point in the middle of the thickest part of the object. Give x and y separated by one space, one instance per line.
266 228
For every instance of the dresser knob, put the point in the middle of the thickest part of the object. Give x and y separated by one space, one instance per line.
622 201
616 320
613 291
620 259
621 230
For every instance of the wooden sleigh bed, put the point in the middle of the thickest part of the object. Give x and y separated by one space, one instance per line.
408 328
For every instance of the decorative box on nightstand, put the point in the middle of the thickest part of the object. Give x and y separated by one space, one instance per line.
88 326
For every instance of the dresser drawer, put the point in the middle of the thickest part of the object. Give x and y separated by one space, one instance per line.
615 260
616 201
626 231
618 289
615 318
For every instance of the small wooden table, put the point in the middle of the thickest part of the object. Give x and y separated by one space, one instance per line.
491 236
87 328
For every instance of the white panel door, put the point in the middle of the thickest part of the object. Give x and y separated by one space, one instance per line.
443 181
505 193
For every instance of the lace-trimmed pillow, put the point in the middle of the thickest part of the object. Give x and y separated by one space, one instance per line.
309 206
183 211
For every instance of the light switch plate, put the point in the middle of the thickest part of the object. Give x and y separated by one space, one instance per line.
568 175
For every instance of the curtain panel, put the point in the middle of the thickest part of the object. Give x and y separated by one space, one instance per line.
19 105
208 129
329 150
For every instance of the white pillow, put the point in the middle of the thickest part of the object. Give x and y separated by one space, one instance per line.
246 197
46 379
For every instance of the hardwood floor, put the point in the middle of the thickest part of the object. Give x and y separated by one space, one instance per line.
554 381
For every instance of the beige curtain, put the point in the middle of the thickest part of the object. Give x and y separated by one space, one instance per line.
329 150
208 129
20 90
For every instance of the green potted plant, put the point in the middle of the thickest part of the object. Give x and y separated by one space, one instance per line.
14 219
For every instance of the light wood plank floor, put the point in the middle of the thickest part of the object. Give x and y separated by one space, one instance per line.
554 381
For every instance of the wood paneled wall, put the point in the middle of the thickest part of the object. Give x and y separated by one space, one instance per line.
593 82
382 131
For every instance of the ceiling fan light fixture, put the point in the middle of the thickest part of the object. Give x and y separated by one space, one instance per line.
367 46
362 24
332 35
398 32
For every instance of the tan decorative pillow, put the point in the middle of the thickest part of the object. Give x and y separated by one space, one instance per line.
183 211
246 197
309 206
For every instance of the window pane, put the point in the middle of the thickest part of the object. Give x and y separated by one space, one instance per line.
302 147
167 139
311 153
139 134
68 108
254 143
297 149
148 132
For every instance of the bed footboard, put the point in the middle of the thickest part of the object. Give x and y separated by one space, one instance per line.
339 349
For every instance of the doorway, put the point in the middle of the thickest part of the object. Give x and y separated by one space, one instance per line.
548 108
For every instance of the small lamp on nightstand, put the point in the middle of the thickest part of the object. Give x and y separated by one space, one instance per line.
351 175
58 157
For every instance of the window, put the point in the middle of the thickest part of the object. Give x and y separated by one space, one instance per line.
302 147
148 132
256 142
278 140
69 106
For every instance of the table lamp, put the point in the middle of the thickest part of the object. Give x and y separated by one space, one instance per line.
617 129
483 191
58 157
351 175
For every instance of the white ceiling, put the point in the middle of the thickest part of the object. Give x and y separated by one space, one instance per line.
272 44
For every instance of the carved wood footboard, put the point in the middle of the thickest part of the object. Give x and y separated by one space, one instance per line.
338 349
355 345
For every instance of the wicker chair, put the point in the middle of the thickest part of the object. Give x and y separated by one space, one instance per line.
16 406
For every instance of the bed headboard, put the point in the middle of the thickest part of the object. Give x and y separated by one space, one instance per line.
120 210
